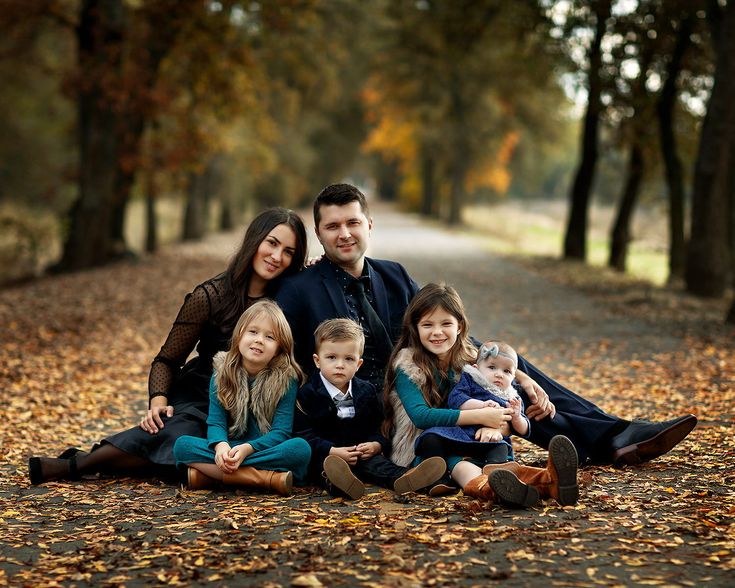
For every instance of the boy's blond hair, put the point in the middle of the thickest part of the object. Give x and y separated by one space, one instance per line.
340 329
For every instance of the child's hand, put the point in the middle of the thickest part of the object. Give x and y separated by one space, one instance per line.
239 453
222 457
369 449
349 454
495 417
488 435
515 404
518 422
490 404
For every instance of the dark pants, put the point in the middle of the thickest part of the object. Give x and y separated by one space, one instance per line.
587 426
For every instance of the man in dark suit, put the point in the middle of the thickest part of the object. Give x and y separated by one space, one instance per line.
375 293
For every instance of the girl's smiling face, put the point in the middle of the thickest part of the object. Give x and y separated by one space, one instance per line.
258 345
438 331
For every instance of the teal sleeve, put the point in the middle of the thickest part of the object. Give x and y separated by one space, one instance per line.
282 422
420 413
217 417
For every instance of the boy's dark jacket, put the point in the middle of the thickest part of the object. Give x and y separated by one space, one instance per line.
315 419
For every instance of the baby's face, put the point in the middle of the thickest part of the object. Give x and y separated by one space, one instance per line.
499 370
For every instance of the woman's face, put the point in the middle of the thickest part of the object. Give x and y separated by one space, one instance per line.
438 332
275 252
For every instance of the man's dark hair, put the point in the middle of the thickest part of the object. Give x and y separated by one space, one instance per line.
338 194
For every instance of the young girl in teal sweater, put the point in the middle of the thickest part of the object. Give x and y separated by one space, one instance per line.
425 364
252 396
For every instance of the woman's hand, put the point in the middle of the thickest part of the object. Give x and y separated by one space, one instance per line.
152 421
487 435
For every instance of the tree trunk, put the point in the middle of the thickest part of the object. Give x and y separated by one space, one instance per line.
99 36
575 246
460 156
672 163
110 126
388 178
151 222
708 261
428 183
194 221
620 234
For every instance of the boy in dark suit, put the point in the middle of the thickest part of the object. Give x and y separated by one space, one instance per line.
340 418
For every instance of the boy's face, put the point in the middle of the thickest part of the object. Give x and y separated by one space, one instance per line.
498 370
338 361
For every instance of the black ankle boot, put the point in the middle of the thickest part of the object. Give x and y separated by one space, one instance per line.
55 469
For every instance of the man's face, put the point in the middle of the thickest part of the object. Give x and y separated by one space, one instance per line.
344 232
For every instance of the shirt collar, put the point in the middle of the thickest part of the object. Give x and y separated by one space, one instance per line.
333 390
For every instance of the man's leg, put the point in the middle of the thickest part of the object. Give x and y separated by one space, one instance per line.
600 437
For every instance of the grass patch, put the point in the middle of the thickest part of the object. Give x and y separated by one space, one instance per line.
537 229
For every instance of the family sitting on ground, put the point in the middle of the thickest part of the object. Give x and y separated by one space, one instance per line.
430 411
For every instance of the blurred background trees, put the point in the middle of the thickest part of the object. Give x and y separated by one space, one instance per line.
126 124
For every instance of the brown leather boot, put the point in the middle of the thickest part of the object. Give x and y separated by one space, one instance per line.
280 482
510 491
511 466
558 479
479 487
198 480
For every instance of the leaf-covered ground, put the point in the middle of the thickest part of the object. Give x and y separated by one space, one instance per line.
74 356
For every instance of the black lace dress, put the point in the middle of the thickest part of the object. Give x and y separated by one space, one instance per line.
184 383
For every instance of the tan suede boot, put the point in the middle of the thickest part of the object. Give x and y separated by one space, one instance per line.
198 480
280 482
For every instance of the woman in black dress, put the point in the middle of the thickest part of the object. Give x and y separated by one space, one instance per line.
274 246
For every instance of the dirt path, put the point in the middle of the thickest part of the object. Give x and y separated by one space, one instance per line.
73 362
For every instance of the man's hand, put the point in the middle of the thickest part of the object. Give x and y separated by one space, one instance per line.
152 421
541 406
349 454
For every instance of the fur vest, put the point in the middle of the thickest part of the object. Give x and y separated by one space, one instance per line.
261 398
404 432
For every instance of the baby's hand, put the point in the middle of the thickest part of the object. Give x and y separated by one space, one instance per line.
490 403
515 404
488 435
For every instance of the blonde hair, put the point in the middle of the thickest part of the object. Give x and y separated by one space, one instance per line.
426 301
235 393
340 329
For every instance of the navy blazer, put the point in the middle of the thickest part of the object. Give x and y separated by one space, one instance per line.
315 419
314 295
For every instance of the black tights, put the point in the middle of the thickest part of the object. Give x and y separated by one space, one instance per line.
431 445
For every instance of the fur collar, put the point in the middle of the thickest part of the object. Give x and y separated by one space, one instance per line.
481 381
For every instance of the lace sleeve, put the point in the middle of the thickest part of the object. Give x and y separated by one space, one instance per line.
181 340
